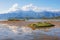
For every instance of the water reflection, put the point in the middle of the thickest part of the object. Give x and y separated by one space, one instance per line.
25 33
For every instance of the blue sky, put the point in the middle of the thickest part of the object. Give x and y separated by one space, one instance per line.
6 4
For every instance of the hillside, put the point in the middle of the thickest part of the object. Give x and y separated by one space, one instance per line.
30 15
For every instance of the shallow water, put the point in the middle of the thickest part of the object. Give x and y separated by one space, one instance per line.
25 33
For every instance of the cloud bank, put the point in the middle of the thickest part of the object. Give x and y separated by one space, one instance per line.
13 8
30 7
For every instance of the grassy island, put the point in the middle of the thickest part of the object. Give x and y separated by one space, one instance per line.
15 19
40 25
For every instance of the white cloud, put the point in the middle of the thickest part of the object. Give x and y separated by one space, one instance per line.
38 9
28 8
13 8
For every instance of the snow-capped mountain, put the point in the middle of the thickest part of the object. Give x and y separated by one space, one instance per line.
29 11
29 14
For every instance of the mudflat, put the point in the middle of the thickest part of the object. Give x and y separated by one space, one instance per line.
23 23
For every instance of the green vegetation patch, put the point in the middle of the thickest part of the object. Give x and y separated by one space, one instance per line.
41 25
14 19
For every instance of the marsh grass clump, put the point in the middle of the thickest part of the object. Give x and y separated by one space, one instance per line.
13 19
40 25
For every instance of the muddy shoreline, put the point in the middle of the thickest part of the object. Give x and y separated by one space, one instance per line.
23 23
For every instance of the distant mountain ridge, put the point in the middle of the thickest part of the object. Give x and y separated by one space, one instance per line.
29 14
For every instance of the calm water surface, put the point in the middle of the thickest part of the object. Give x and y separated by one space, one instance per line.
8 32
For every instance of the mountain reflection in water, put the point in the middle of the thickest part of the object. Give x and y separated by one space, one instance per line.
25 33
